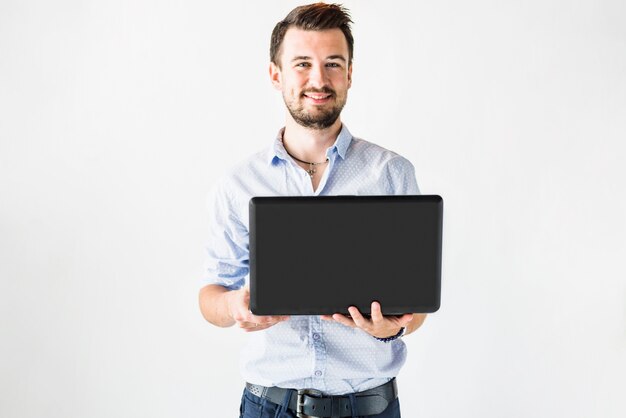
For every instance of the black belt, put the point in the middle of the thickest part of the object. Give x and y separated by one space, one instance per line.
311 403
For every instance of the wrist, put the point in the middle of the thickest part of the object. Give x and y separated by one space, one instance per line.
399 334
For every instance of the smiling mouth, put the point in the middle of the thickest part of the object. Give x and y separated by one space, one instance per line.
317 96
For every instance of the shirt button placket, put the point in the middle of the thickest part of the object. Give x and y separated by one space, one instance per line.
319 349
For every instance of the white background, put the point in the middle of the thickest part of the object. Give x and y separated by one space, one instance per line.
117 116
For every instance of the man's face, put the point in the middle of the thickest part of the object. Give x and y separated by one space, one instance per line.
314 75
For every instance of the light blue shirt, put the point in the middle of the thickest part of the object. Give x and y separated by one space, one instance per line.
305 351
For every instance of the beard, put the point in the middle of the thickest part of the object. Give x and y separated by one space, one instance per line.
320 118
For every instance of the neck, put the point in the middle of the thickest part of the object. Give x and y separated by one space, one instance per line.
309 144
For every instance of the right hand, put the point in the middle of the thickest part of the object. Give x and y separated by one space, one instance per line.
239 310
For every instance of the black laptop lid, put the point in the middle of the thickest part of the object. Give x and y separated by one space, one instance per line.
320 255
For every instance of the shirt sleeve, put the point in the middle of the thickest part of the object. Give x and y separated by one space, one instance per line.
402 177
226 250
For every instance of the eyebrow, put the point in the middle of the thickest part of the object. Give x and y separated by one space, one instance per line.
336 57
330 57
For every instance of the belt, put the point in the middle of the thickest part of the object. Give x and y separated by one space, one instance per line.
312 403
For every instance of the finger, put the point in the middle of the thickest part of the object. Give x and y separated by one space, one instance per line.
326 317
265 319
248 324
253 326
243 316
358 319
276 318
259 328
344 320
377 313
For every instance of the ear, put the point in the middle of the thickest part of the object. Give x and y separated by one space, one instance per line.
275 76
350 75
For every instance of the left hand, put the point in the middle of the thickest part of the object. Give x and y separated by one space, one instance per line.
377 326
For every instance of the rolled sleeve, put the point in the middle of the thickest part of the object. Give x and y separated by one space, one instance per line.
226 249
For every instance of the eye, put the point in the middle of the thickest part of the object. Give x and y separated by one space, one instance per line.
303 64
333 65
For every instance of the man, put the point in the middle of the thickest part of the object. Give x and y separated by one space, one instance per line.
352 361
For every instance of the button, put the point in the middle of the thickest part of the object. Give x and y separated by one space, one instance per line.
318 373
316 336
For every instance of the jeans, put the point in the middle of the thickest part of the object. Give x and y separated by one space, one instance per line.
254 407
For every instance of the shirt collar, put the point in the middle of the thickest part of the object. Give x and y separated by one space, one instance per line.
278 152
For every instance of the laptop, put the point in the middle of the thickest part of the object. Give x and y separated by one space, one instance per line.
319 255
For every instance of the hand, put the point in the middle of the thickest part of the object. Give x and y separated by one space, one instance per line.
378 326
239 309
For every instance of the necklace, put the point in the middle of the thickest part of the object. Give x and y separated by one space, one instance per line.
312 170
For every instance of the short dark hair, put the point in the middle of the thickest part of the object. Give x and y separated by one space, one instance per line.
317 16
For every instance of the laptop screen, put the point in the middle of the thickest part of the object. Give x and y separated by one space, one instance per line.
320 255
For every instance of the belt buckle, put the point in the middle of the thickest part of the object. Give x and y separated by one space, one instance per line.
312 393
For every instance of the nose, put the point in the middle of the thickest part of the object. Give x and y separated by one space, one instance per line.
317 76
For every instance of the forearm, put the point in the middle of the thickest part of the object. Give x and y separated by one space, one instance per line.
213 300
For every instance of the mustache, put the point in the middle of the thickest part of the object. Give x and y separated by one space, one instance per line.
324 90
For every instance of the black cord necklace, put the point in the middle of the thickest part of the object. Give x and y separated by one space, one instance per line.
312 169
